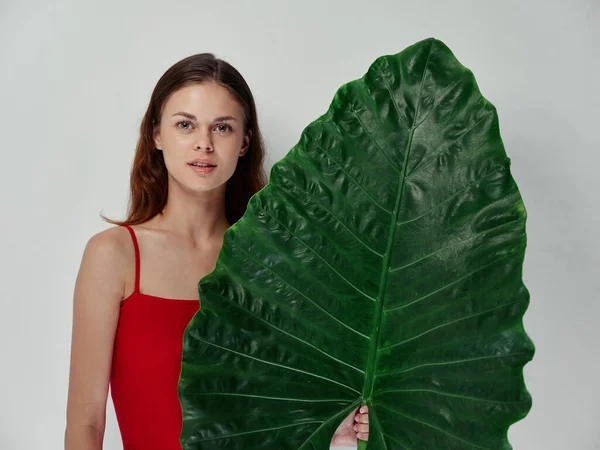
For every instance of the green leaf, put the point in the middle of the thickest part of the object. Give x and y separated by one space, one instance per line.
381 264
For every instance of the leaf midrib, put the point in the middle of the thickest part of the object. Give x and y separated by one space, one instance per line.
374 344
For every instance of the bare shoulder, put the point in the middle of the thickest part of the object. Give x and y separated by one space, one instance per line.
106 259
114 241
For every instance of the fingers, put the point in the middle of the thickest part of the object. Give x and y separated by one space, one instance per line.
361 427
363 436
361 418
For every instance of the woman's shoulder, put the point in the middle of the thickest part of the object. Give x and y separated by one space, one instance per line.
105 266
113 244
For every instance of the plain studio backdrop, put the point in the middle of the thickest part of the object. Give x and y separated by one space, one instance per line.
76 79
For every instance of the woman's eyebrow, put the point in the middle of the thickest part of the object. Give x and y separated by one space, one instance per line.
193 117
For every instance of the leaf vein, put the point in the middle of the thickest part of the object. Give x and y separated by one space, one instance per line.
446 363
467 186
341 222
508 255
356 288
419 167
300 293
398 171
448 324
467 75
448 394
379 310
231 394
274 364
355 181
453 244
286 333
256 431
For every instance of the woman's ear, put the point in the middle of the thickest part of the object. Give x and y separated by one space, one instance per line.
246 144
156 137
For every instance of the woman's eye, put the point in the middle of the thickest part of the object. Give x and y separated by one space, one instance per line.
223 127
186 123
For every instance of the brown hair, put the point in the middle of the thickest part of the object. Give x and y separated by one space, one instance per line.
148 180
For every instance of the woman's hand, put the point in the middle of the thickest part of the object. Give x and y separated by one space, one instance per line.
355 426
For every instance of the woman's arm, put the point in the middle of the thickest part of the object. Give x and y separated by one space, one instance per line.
98 291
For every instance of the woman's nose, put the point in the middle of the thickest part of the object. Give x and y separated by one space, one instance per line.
207 147
203 142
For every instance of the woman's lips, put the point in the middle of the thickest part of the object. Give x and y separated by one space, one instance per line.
198 169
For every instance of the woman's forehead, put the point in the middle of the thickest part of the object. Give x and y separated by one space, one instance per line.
203 100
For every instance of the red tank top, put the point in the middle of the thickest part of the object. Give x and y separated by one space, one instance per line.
146 366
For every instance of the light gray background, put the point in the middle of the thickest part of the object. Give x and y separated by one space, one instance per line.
76 78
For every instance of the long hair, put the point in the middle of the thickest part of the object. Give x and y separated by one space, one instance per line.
148 180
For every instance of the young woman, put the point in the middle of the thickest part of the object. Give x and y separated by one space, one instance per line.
199 159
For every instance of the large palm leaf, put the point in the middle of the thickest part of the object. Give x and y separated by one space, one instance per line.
382 264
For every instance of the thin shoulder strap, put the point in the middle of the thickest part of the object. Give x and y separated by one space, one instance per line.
137 257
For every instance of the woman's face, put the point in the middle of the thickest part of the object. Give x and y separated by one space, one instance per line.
201 121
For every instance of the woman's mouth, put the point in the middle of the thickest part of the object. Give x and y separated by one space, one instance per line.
202 167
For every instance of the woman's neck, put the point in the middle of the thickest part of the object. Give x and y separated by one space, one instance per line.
197 218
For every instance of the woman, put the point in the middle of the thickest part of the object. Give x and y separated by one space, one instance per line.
199 159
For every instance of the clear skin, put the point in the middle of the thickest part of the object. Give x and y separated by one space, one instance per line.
177 248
